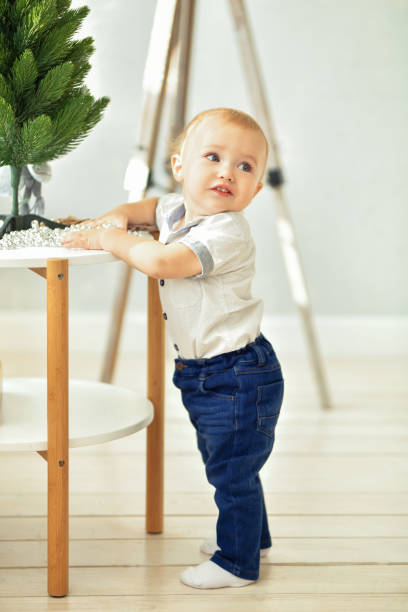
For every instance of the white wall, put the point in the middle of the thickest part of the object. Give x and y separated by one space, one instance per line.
336 77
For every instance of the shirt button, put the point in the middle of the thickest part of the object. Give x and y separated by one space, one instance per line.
161 282
164 316
176 347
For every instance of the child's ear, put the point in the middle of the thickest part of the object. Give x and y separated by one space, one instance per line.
177 168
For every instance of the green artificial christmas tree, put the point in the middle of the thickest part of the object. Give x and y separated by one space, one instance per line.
45 111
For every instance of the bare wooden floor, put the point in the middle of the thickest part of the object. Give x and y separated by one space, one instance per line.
336 488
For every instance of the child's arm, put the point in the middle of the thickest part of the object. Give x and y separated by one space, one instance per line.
154 258
140 213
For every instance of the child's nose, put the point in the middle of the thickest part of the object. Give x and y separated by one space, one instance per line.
225 172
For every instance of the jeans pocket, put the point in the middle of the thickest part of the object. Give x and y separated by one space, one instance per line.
268 405
222 384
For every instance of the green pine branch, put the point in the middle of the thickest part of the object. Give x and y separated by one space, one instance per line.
45 110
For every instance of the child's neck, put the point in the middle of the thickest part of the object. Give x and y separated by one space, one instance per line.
189 216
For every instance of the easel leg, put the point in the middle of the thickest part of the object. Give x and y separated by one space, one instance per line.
155 393
162 41
116 324
57 416
290 251
179 69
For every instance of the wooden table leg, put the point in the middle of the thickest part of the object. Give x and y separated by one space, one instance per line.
155 393
57 416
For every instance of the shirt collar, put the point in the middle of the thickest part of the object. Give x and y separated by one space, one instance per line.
176 214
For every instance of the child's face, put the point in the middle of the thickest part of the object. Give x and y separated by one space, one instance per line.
221 166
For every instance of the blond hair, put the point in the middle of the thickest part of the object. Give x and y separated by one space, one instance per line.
230 115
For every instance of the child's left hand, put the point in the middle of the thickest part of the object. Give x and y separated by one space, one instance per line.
84 239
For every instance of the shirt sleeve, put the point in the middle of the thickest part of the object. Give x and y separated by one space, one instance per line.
222 242
164 205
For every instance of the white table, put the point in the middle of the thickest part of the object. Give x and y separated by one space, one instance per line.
34 412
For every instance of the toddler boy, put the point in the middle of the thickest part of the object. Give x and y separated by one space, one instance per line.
228 373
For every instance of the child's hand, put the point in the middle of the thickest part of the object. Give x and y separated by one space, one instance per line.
114 218
84 239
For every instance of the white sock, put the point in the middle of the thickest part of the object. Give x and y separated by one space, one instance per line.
209 575
210 546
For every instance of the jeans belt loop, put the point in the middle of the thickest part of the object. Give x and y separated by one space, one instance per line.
259 353
201 385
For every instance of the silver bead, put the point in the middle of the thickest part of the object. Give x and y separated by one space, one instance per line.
42 236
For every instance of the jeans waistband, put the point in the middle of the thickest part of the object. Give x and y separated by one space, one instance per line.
225 360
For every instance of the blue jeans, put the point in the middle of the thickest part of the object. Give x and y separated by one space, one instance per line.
234 401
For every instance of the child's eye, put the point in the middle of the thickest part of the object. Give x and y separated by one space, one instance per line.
213 157
245 166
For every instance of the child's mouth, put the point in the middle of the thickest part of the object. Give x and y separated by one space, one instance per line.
222 191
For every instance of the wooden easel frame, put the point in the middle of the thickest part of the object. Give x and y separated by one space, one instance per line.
170 44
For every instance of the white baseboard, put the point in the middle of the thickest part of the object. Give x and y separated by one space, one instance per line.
26 331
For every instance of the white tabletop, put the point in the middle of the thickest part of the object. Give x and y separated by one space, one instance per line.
36 257
98 413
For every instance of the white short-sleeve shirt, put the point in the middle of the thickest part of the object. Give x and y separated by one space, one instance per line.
213 312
